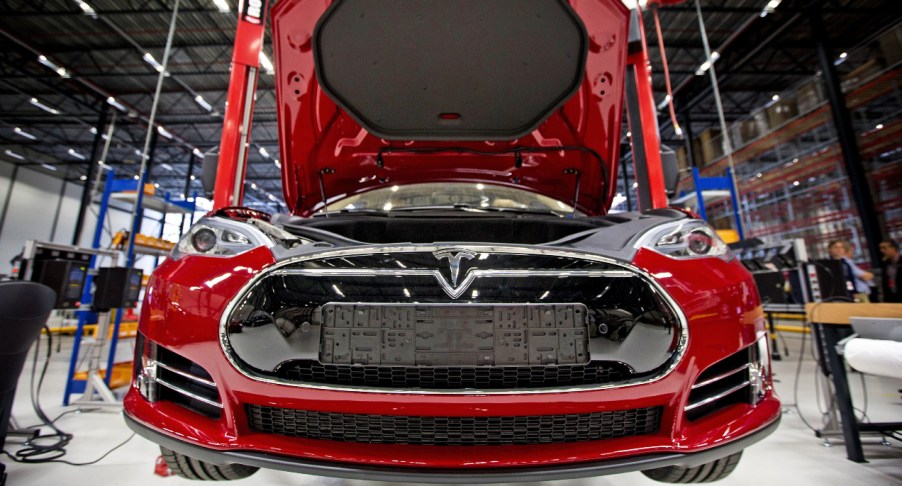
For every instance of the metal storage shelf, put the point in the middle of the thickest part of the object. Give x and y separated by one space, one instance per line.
163 204
792 181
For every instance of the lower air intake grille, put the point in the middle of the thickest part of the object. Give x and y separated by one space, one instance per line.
455 377
456 431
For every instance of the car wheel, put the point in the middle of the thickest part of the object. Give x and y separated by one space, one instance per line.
706 473
190 468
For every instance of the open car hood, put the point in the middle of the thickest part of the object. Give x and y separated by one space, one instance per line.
520 93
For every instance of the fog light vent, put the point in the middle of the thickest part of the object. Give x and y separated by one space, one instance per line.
167 376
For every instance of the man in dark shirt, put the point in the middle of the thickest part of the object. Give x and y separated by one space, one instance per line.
892 272
856 278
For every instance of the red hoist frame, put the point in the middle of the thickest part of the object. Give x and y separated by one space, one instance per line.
236 129
643 118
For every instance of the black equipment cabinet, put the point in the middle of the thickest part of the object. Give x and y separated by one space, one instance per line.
117 287
65 277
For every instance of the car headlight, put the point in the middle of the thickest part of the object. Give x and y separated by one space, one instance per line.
686 239
218 237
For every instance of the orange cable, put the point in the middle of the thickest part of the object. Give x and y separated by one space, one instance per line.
673 118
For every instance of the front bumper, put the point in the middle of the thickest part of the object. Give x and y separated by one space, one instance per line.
720 305
451 476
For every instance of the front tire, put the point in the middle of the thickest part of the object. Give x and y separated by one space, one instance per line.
190 468
706 473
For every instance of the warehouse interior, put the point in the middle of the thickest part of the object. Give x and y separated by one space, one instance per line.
803 122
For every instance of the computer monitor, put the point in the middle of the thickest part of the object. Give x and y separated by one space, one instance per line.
832 280
771 287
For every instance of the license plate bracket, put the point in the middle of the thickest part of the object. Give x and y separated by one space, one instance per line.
454 334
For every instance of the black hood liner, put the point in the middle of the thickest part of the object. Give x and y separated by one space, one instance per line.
612 233
450 70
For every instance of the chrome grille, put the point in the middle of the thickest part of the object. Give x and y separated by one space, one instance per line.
279 328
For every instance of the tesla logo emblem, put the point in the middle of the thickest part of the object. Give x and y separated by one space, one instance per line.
454 260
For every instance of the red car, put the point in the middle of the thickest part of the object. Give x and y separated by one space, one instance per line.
450 301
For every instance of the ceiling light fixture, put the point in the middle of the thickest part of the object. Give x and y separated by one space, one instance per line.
770 7
197 152
49 167
77 155
23 133
708 63
35 102
222 5
148 58
14 155
266 64
278 164
663 104
263 152
50 64
203 103
841 59
162 131
87 9
116 104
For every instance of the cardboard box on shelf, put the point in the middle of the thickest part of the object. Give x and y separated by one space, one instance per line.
891 46
746 131
809 96
861 74
682 158
781 112
711 146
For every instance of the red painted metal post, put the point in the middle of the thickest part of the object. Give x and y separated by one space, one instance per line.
233 147
648 120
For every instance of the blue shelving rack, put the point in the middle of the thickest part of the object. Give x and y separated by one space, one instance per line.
122 190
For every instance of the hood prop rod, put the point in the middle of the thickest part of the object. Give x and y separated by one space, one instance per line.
575 172
322 186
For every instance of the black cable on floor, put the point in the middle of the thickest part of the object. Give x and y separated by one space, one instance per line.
831 407
795 387
34 451
46 460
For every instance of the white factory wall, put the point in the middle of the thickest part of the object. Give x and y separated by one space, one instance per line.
33 200
38 200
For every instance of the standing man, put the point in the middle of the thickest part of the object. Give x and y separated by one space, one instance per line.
856 278
891 285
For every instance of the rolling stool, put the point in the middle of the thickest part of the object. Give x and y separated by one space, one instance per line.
24 308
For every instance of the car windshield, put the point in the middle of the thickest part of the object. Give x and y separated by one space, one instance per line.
478 197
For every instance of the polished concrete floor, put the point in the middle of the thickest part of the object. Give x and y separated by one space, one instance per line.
791 455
